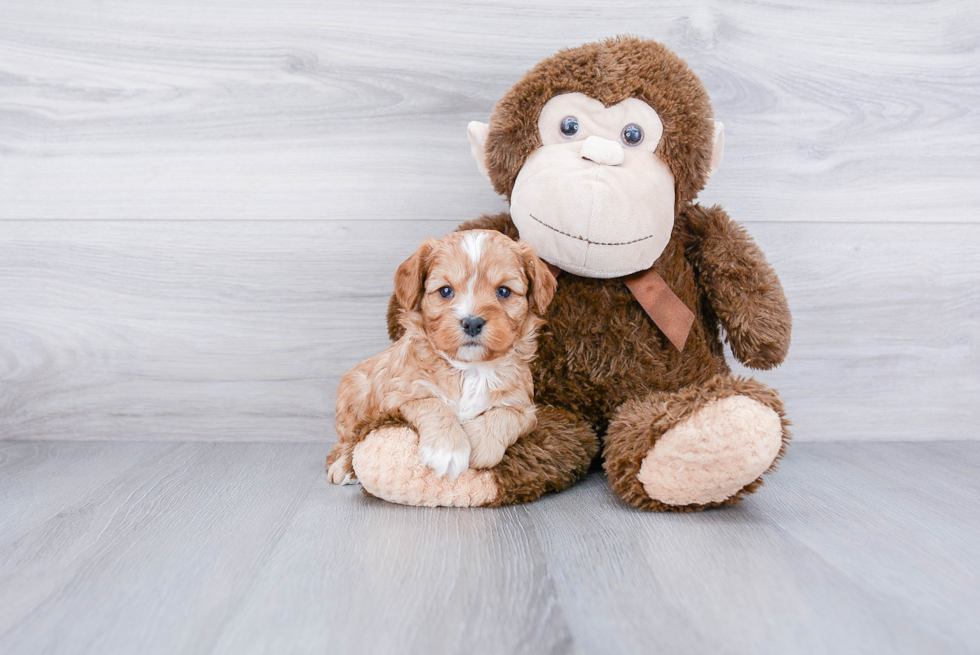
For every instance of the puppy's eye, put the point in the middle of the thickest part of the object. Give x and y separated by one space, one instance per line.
632 134
569 126
446 292
503 292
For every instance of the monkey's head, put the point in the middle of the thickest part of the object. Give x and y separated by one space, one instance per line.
596 149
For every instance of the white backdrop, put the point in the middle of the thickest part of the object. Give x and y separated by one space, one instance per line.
202 203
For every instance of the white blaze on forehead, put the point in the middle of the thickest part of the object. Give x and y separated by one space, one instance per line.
473 245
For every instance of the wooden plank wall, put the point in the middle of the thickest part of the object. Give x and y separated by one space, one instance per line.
202 203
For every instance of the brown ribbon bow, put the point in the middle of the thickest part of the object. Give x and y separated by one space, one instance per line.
662 305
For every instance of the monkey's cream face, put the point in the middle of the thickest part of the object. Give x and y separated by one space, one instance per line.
595 199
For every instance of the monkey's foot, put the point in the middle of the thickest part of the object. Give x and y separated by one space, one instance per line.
388 465
713 454
698 448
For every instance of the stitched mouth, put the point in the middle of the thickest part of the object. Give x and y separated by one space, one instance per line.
594 243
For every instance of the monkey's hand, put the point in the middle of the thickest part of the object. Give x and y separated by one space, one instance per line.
741 285
495 430
443 445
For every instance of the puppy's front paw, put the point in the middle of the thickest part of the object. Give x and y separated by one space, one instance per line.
447 462
341 472
486 450
487 454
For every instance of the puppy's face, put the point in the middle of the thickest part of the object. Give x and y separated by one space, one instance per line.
478 292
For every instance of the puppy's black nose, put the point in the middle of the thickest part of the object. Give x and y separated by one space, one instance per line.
473 325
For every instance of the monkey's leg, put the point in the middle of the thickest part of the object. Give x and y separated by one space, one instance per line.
703 446
551 458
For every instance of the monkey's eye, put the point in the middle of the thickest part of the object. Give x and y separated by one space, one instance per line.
446 292
503 292
632 134
569 126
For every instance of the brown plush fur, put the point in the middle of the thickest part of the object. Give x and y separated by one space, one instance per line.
602 363
743 290
551 458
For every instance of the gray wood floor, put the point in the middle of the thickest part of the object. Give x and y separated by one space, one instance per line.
181 547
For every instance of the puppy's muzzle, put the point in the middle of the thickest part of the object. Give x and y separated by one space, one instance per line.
473 325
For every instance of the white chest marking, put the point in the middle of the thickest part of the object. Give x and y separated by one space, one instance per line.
475 386
475 396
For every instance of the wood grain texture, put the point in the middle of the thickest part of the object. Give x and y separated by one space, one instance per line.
914 507
886 321
221 548
844 111
27 472
241 330
861 547
386 578
156 558
710 582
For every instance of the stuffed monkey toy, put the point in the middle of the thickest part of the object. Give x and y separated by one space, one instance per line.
601 151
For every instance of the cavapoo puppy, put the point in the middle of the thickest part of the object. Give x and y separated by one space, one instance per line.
470 304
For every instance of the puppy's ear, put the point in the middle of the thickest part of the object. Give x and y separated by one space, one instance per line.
541 283
410 277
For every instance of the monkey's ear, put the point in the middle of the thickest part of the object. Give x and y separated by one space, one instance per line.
717 147
478 132
410 277
541 283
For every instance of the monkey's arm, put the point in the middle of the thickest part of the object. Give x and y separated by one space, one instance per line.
500 222
741 285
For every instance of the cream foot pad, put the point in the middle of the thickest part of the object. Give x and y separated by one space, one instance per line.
713 454
388 465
